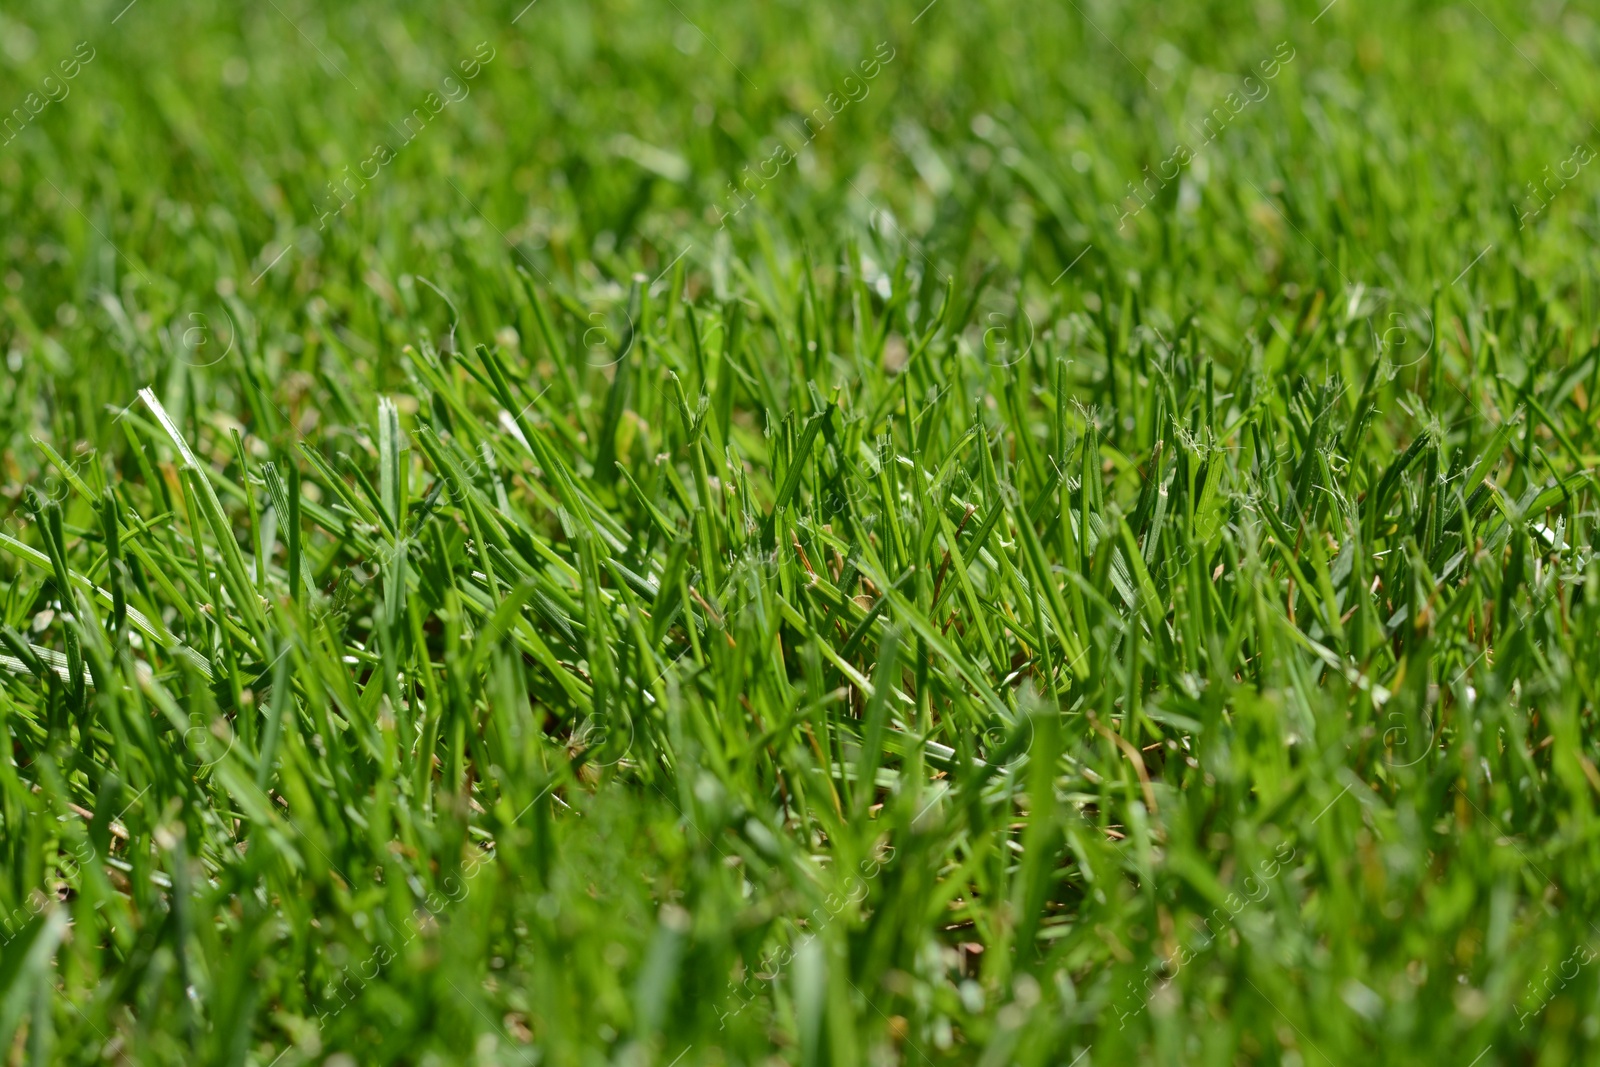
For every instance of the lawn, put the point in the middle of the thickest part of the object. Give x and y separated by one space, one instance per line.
680 534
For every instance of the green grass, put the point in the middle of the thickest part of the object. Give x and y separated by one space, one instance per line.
1085 555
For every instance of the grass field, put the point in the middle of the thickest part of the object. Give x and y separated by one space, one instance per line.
861 534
